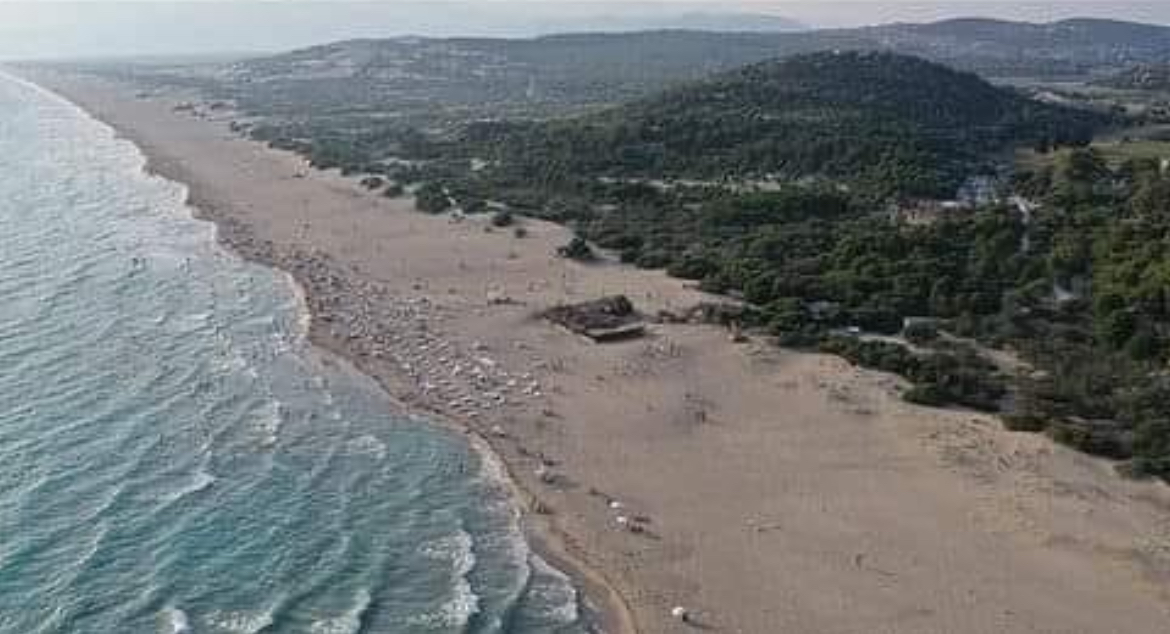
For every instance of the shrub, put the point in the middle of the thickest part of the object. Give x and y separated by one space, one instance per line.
653 259
921 333
797 339
577 249
373 182
1031 423
474 206
1092 440
929 394
432 198
503 219
691 266
939 379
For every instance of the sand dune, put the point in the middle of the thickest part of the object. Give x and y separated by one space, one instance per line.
778 492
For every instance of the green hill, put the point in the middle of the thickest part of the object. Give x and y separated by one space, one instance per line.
886 123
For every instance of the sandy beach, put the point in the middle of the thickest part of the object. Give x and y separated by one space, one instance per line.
773 491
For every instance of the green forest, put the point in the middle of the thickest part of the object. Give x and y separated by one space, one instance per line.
882 123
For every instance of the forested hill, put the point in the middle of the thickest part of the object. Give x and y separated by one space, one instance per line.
887 124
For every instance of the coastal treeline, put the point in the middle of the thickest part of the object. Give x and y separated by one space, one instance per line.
1077 286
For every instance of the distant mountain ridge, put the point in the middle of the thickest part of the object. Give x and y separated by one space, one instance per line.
572 68
731 22
998 47
628 63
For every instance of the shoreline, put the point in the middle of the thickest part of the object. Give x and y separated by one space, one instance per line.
613 614
757 521
547 542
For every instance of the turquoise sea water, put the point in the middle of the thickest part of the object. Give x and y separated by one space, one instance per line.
174 457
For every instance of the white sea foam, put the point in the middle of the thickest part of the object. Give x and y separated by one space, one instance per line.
459 609
494 476
348 623
175 621
241 622
556 592
454 614
201 481
464 603
304 315
455 548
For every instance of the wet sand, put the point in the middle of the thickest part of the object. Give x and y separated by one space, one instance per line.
775 491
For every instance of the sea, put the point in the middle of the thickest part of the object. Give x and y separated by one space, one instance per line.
176 457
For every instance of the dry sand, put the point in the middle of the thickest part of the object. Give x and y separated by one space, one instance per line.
781 492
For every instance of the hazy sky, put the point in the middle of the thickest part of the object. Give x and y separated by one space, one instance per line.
52 28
